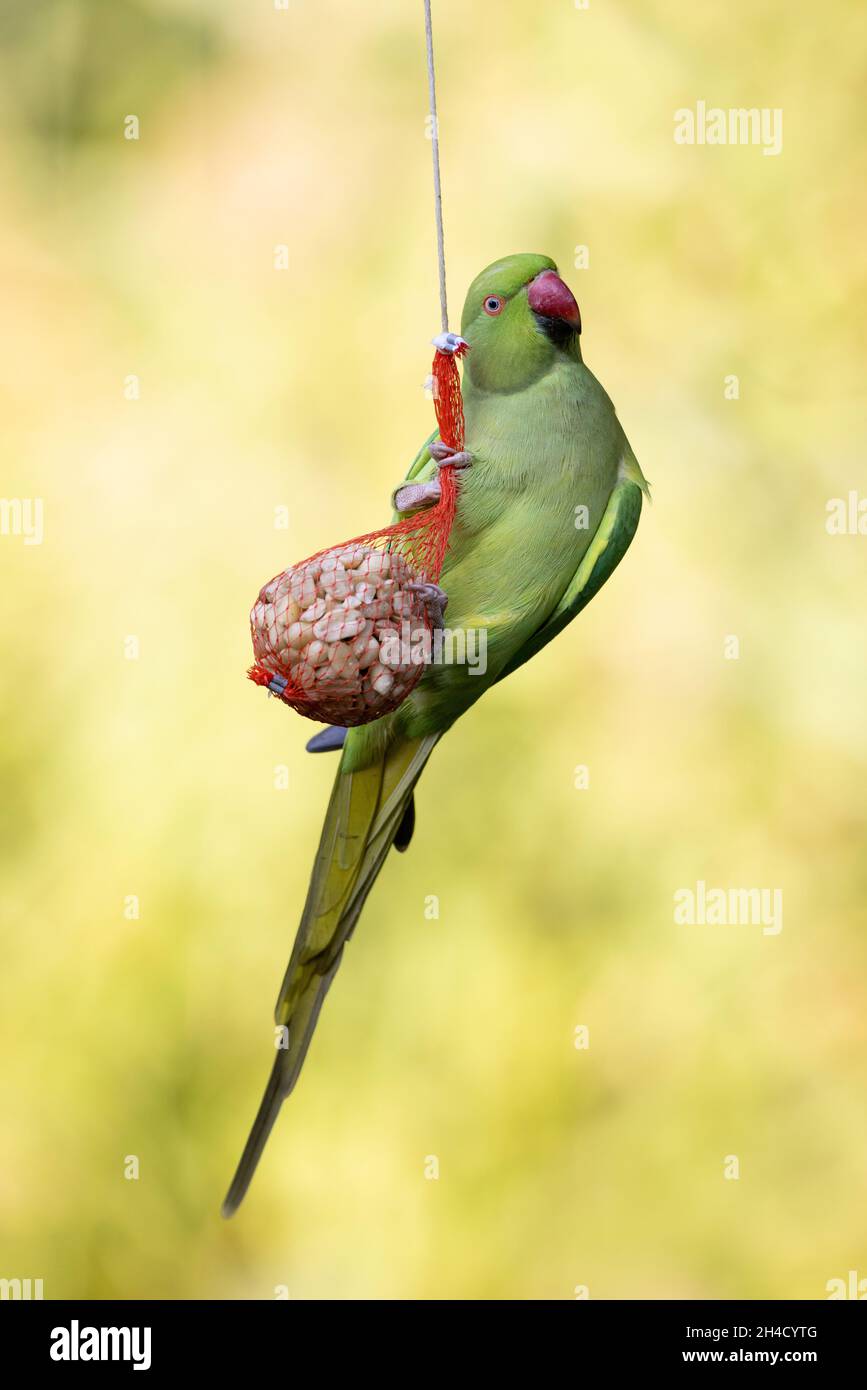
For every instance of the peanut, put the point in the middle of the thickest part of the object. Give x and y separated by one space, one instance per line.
333 627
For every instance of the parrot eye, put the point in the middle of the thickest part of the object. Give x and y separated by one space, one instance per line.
493 305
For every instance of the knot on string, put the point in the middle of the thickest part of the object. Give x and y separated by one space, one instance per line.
451 343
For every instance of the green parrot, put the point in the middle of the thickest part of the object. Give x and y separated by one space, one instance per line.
549 499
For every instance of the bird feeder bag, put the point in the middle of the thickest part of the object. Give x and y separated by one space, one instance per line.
343 637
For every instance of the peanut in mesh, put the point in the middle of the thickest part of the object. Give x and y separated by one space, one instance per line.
332 626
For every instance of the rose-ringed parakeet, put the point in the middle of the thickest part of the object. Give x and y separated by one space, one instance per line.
549 499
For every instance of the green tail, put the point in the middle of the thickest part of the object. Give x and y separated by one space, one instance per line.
365 812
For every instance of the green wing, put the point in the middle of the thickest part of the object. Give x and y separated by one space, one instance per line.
421 460
421 470
603 555
606 550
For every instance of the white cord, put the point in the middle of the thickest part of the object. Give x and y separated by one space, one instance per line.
435 151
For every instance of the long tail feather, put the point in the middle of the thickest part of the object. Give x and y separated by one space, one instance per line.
365 814
280 1083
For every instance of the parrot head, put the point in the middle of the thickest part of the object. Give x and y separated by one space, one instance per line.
519 316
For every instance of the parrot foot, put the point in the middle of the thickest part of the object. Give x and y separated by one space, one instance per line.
435 600
412 497
329 740
446 456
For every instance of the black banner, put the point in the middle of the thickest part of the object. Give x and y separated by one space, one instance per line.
70 1338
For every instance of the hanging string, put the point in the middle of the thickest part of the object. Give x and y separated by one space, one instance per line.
449 346
435 153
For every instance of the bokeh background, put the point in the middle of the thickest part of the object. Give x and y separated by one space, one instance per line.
160 777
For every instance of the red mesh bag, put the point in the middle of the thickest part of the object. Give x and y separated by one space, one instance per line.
344 636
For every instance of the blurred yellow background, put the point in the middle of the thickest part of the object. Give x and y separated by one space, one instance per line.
157 776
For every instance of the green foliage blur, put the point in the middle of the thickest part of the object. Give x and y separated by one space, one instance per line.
158 778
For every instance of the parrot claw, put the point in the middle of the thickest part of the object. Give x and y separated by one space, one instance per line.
446 456
412 497
435 600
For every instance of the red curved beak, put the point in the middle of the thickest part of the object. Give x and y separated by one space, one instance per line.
550 297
